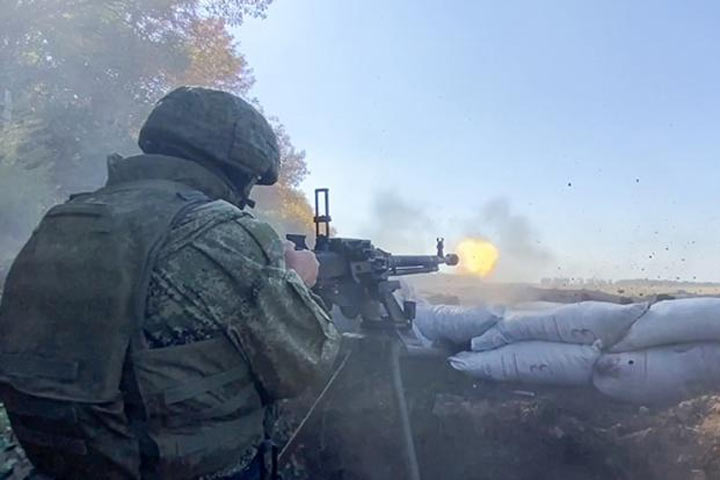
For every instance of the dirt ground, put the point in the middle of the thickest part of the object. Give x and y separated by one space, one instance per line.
477 431
470 430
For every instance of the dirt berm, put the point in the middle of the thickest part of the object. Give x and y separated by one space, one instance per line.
466 430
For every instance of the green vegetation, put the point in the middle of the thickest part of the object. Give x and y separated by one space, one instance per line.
82 76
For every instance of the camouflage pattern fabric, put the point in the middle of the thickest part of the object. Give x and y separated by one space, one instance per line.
214 275
190 296
221 271
202 282
214 126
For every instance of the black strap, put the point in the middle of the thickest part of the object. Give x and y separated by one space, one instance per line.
268 454
274 472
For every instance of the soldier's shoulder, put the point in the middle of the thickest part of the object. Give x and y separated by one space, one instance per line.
265 236
222 223
214 210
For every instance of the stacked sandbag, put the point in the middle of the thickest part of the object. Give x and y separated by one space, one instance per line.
531 362
672 352
454 323
671 322
536 305
635 353
659 374
583 323
552 345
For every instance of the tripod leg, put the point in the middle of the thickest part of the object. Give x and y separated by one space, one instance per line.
399 392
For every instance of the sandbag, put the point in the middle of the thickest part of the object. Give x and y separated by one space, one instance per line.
531 362
454 323
659 375
535 306
674 321
581 323
422 339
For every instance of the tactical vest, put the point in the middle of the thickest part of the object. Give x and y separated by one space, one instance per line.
86 398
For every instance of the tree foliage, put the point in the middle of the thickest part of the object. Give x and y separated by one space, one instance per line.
283 204
212 58
83 75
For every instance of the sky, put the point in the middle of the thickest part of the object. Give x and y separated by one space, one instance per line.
581 137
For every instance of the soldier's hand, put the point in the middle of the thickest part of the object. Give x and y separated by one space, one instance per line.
304 262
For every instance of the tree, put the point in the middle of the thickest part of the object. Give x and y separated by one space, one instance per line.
85 73
284 205
213 59
90 70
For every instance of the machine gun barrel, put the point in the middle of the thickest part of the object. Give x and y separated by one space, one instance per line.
413 264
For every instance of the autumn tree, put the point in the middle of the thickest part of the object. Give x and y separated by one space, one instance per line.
284 204
83 74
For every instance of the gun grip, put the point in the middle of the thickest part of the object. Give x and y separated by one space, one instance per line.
298 240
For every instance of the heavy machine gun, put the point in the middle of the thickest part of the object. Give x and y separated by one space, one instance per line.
357 277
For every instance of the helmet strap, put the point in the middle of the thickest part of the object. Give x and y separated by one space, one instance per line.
242 184
245 200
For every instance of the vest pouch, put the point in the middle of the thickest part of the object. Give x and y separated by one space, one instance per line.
60 370
203 410
54 340
71 306
71 440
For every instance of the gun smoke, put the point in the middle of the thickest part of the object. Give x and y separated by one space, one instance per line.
400 226
522 255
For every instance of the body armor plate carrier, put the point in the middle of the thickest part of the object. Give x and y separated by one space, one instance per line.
86 398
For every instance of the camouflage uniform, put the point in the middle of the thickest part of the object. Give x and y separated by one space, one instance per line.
207 271
226 328
205 274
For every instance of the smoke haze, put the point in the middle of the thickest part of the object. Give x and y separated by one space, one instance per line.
399 226
523 257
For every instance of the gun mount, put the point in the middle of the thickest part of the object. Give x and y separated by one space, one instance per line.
357 276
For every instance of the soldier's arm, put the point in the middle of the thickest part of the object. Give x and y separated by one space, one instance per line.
288 339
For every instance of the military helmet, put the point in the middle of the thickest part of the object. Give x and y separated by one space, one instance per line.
213 126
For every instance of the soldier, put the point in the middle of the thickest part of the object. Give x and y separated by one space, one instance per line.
148 327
